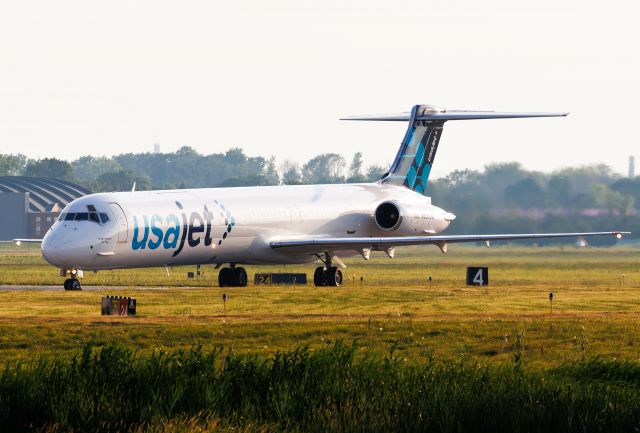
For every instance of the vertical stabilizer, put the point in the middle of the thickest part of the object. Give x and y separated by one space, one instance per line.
415 157
414 160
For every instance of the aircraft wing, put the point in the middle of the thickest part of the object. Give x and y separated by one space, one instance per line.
381 243
22 241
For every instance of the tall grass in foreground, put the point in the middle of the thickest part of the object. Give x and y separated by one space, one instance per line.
333 389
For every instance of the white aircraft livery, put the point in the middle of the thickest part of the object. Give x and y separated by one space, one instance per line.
286 224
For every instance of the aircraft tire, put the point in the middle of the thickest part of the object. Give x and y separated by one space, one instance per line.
75 284
224 277
240 279
334 277
319 277
72 284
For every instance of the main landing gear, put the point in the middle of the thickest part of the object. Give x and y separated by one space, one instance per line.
327 275
232 277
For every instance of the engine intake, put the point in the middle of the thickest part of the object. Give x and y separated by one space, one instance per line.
388 216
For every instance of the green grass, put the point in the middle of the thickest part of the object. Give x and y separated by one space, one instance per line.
585 352
447 319
334 389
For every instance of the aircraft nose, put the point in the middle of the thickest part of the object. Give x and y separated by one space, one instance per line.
50 247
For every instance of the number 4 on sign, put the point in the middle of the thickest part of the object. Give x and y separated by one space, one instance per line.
478 278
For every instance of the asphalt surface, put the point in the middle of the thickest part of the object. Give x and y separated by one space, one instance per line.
28 288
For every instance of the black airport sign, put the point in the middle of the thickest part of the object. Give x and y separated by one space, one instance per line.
477 276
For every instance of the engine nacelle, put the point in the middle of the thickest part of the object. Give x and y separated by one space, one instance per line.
411 218
388 216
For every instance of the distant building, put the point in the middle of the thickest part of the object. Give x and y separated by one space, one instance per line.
30 205
632 166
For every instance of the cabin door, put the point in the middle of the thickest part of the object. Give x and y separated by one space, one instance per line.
121 221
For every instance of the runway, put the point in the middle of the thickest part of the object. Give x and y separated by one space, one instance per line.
59 288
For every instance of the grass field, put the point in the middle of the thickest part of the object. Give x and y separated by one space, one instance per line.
594 311
395 313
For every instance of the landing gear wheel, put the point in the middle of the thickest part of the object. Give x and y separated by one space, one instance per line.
72 284
319 277
240 277
224 277
327 275
334 277
232 277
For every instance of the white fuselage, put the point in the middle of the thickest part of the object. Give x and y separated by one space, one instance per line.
225 225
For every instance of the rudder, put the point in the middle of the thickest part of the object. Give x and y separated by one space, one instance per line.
412 165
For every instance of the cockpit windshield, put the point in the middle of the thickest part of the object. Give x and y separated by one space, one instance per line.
93 215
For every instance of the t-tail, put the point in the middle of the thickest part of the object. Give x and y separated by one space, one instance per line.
412 165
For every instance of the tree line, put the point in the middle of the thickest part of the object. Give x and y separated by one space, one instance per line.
505 197
501 197
187 168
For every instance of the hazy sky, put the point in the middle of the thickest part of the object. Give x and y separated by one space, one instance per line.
273 77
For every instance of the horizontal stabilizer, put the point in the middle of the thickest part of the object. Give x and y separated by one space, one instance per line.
456 115
416 154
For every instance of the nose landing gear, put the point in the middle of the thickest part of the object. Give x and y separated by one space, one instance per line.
72 283
232 277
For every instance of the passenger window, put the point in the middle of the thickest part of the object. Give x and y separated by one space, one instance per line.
82 216
104 217
70 217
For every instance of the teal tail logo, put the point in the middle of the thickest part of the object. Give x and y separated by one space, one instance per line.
414 160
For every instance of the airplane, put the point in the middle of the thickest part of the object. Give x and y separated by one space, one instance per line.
288 224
